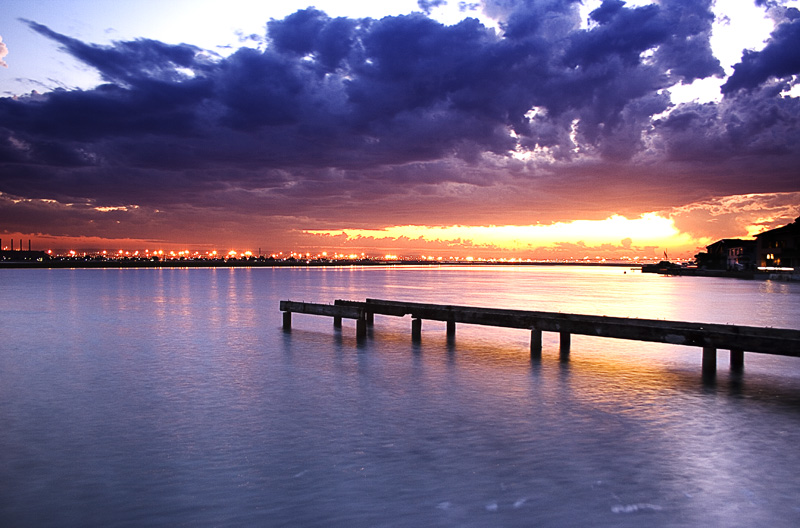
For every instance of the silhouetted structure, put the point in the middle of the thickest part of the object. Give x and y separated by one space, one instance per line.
780 247
710 337
728 254
742 256
10 255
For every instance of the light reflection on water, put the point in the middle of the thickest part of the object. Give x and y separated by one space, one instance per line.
165 397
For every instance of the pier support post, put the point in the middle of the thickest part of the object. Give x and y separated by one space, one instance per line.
737 359
709 361
337 321
565 342
370 318
287 320
361 327
536 343
416 329
451 328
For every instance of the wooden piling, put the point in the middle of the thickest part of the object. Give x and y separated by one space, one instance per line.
536 343
416 329
565 342
709 360
337 321
361 327
451 328
287 320
737 359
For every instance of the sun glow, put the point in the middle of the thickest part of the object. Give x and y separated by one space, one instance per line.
649 230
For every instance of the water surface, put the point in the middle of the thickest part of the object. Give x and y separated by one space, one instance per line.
149 397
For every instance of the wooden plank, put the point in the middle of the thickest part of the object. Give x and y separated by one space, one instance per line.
398 311
778 341
764 340
330 310
411 307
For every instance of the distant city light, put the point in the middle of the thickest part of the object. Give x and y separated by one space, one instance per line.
247 257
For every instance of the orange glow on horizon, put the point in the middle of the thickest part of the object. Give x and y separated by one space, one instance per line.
681 231
648 231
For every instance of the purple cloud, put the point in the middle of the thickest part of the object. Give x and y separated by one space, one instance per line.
780 59
405 117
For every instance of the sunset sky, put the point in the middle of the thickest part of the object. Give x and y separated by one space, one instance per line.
507 128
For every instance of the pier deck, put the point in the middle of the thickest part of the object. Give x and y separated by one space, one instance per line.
710 337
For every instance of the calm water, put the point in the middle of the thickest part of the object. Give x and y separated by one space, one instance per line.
173 398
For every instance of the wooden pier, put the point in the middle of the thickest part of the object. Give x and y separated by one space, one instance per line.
710 337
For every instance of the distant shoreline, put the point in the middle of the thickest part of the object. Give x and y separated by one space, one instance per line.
80 263
254 263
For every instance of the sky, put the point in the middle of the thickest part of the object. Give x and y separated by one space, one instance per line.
503 128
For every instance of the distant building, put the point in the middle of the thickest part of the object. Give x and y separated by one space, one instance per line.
780 248
23 256
20 255
742 256
728 254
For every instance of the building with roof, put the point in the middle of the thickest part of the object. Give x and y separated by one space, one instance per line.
728 254
780 247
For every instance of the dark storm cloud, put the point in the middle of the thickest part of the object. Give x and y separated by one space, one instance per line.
747 127
363 110
780 59
141 60
311 32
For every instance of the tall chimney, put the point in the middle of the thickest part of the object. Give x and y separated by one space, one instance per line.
29 245
12 244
